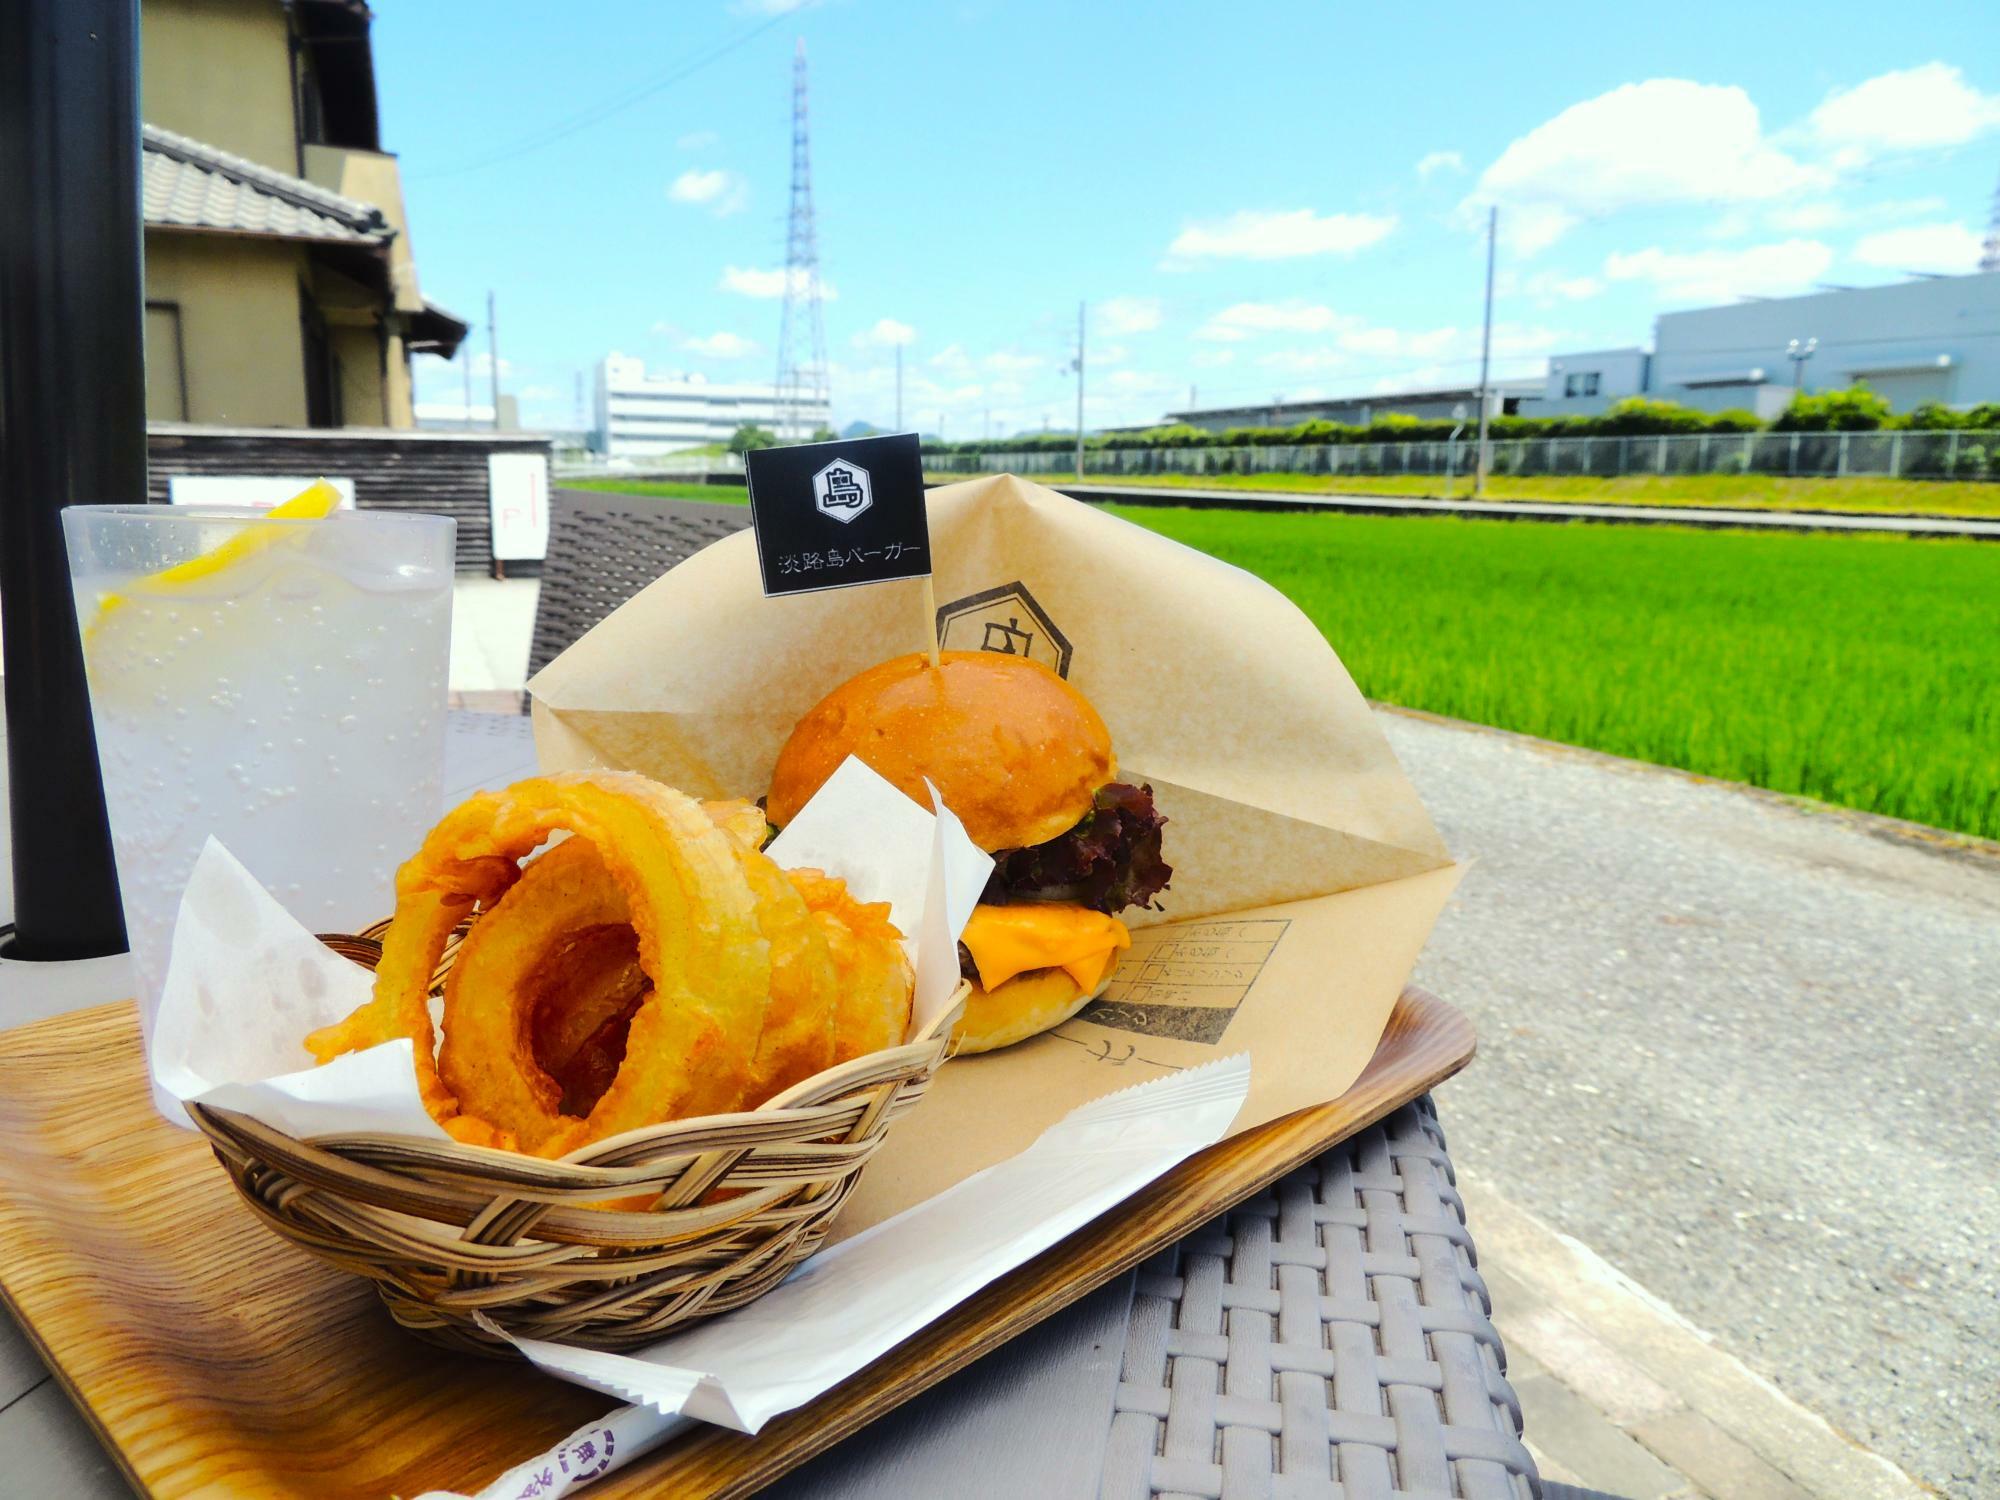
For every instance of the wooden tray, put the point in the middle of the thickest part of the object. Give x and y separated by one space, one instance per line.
214 1359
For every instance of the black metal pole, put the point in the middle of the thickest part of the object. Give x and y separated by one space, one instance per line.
72 430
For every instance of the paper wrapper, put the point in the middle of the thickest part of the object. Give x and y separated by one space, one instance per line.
1307 873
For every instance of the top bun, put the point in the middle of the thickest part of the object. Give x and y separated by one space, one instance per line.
1015 751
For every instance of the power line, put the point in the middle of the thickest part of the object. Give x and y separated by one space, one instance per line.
605 109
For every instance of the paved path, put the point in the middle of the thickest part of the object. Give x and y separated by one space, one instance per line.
1749 1055
1537 510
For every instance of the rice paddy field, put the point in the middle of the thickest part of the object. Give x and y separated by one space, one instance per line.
1858 670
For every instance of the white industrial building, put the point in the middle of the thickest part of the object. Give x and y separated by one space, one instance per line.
1438 403
643 415
1931 338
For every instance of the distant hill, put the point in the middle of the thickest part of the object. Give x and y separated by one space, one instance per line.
861 429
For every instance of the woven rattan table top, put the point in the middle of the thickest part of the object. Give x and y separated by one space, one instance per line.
1327 1340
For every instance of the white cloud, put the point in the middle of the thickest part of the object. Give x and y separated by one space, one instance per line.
952 360
1909 109
1007 360
1439 161
1247 319
1811 218
1422 343
1564 288
1208 358
1305 361
1279 236
721 345
750 282
1950 248
1128 315
1807 218
1135 383
1708 275
482 364
720 192
698 140
1664 141
886 334
537 393
768 7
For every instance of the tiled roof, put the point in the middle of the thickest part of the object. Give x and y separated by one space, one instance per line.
189 185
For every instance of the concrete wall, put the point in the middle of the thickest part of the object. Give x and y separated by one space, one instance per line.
220 71
1893 337
239 321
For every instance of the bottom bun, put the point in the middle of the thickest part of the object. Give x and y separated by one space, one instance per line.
1024 1005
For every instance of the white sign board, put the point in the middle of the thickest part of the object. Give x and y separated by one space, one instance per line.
517 494
259 491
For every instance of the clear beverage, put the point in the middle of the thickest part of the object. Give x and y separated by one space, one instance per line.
277 683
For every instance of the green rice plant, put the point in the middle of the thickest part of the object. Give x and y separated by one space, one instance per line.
1858 670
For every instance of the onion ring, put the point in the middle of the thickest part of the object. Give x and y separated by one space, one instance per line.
579 999
693 1039
876 985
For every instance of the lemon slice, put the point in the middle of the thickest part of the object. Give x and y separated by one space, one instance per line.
311 503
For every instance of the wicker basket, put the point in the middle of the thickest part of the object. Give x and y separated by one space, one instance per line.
462 1241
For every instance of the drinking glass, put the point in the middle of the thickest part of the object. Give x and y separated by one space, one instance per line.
278 683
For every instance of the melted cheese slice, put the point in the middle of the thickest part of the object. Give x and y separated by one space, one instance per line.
1009 940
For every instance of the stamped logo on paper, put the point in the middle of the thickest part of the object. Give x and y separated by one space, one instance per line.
842 490
1186 981
1008 620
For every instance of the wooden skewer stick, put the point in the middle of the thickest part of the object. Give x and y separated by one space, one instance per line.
930 620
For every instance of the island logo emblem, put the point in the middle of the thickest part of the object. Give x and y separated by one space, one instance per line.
842 490
1007 620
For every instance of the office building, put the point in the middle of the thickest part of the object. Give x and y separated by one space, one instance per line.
643 414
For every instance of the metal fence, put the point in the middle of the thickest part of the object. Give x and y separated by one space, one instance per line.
1967 454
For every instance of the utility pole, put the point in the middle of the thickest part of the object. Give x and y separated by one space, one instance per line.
1485 355
465 369
493 357
1079 393
899 388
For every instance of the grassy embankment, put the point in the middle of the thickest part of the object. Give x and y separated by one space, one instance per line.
1939 497
663 489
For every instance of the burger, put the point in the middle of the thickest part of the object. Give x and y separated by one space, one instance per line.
1026 764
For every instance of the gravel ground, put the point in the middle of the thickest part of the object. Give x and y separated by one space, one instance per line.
1747 1052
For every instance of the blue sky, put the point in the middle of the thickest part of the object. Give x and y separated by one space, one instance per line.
1256 200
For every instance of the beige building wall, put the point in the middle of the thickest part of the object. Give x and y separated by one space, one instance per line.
241 344
372 177
220 71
